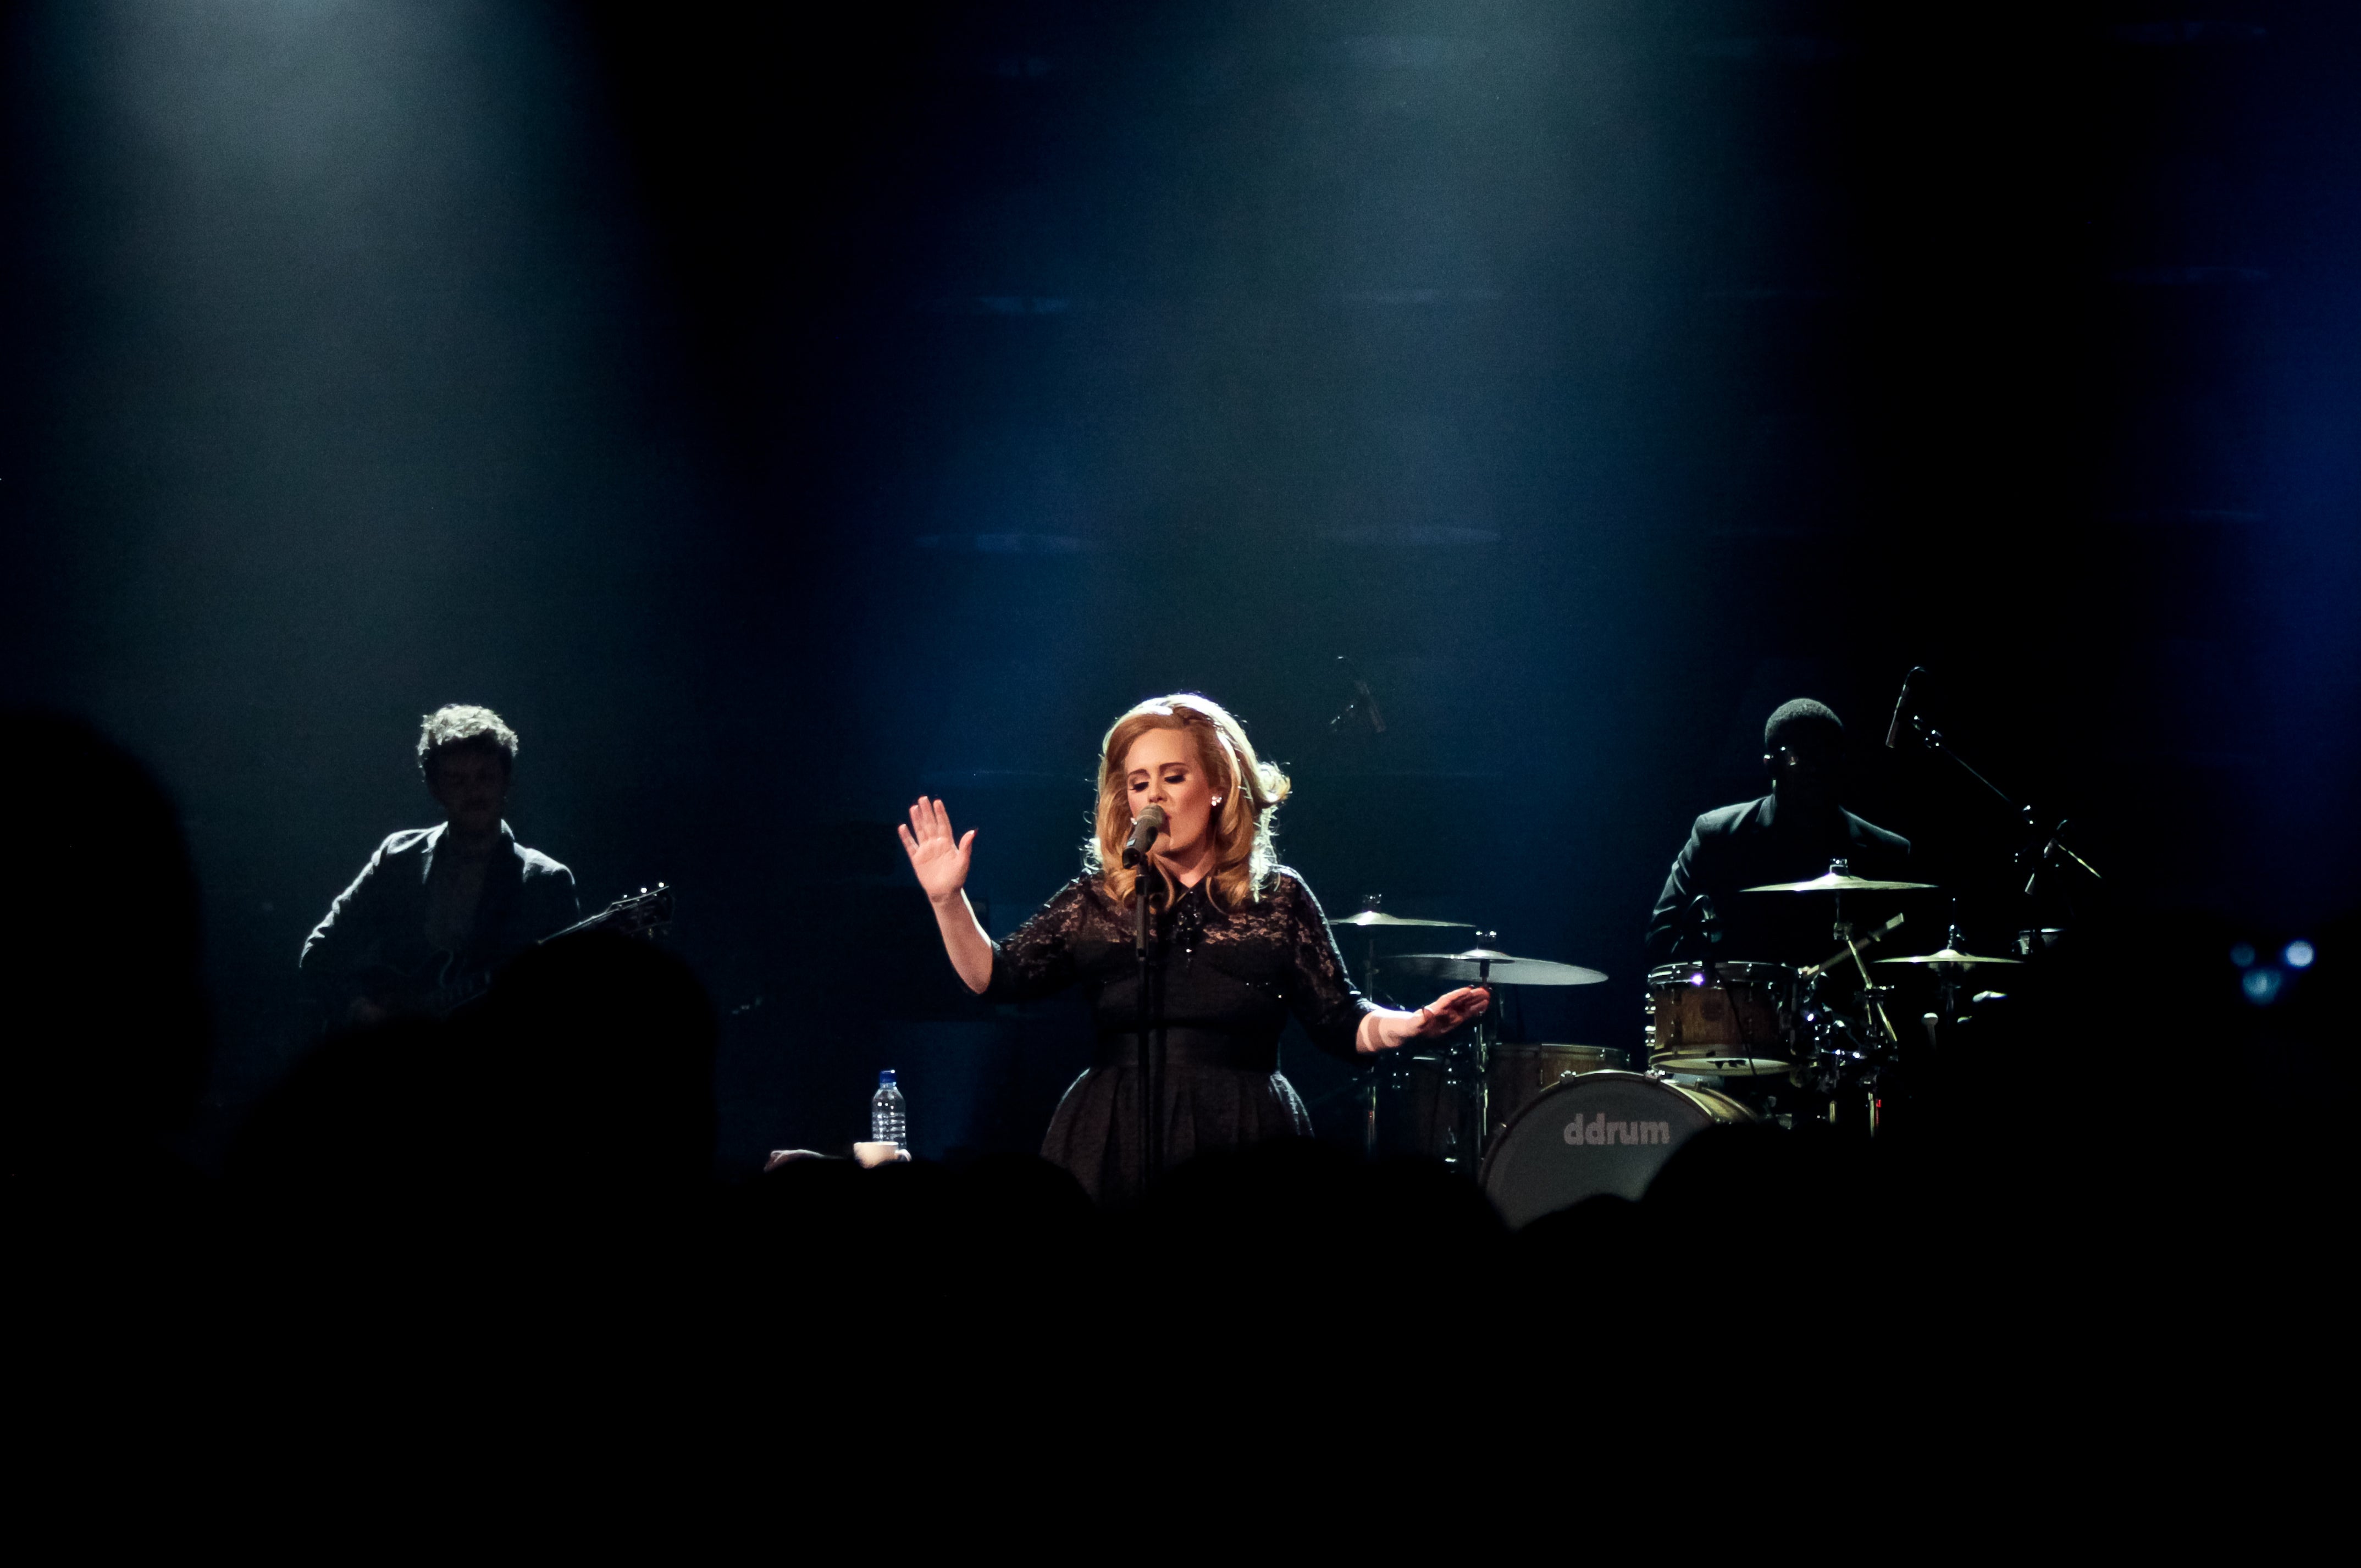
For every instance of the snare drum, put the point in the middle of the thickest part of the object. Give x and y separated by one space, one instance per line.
1515 1074
1601 1132
1740 1023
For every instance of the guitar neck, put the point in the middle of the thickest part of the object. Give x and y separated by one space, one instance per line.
641 915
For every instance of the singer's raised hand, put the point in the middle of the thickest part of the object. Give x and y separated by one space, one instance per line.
941 862
941 859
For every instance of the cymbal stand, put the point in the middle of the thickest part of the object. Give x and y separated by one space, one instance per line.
1477 1058
1872 1002
1843 934
1873 993
1379 1074
1466 1072
1948 987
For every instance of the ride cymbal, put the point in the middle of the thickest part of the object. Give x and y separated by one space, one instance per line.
1947 956
1470 969
1831 883
1380 917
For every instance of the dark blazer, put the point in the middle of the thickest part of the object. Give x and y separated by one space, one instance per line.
380 920
1752 843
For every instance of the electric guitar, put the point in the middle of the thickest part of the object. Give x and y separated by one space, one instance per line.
439 986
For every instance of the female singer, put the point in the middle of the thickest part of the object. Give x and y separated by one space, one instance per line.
1239 943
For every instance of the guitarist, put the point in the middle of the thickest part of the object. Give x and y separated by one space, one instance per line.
437 904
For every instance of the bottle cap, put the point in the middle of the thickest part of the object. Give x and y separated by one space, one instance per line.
885 1079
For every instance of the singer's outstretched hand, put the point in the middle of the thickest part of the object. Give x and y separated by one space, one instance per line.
941 860
1452 1010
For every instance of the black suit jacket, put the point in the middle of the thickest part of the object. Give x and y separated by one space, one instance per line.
380 920
1755 842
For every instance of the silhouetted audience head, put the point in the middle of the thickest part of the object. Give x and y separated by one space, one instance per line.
585 1073
598 1051
99 956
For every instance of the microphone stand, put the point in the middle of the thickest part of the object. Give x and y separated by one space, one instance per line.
1360 712
1151 1127
2055 846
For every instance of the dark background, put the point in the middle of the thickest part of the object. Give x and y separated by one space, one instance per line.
774 417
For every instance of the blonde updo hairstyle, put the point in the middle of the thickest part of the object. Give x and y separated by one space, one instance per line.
1251 790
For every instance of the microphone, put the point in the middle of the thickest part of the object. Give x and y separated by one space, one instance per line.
1902 707
1144 830
1363 702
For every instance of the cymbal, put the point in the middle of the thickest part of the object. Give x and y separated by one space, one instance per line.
1947 956
1380 917
1468 968
1831 883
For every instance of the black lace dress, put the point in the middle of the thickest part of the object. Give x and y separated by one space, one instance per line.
1230 981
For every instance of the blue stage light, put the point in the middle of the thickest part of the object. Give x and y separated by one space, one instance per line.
2243 955
2261 985
2299 954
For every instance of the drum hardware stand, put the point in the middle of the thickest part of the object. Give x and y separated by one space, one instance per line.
1385 1073
1380 1075
1871 991
1815 972
1468 1072
1873 1020
1875 995
1380 1071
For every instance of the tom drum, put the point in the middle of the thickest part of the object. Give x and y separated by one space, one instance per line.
1737 1021
1514 1074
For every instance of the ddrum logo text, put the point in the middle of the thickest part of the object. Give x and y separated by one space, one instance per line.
1599 1130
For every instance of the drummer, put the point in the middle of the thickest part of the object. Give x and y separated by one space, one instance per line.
1788 835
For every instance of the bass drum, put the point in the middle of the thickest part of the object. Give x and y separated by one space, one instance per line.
1601 1132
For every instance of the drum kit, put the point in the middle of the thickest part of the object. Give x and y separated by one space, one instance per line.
1545 1126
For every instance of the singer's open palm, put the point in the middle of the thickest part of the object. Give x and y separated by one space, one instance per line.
941 859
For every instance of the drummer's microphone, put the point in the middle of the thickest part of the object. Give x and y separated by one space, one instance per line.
1902 707
1708 919
1708 926
1144 830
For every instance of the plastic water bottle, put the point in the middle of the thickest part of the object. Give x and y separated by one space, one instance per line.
889 1115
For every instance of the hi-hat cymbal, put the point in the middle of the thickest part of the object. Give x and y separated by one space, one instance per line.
1469 969
1380 917
1831 883
1947 956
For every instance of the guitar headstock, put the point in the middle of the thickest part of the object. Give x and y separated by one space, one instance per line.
641 913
